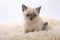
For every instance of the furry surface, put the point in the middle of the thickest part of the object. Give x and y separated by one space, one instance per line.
13 32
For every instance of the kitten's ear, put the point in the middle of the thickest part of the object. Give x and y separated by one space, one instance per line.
24 7
38 9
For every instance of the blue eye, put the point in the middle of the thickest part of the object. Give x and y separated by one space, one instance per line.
34 15
27 14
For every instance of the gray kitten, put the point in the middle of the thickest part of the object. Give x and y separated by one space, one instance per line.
32 20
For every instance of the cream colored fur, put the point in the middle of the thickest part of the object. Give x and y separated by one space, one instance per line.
14 32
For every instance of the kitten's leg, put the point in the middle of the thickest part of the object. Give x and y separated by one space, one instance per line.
26 31
45 26
33 30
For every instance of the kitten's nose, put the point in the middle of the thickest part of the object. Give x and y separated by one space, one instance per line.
31 18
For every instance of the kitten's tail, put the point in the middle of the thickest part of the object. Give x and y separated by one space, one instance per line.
45 26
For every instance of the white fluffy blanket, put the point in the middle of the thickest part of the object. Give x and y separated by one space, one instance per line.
13 32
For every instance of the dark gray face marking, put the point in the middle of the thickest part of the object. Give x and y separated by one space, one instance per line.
31 16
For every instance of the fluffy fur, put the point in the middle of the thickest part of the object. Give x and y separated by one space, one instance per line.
13 32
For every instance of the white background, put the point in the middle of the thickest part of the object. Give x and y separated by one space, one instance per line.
10 10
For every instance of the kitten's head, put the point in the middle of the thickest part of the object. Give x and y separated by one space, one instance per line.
30 14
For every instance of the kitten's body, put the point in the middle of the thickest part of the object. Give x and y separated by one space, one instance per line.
32 19
35 25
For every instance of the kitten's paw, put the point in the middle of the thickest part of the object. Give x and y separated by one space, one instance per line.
26 31
33 30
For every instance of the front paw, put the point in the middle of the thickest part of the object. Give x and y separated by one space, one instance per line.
26 31
33 30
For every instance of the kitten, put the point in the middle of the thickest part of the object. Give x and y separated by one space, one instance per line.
32 19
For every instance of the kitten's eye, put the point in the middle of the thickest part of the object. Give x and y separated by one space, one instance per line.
27 14
34 15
